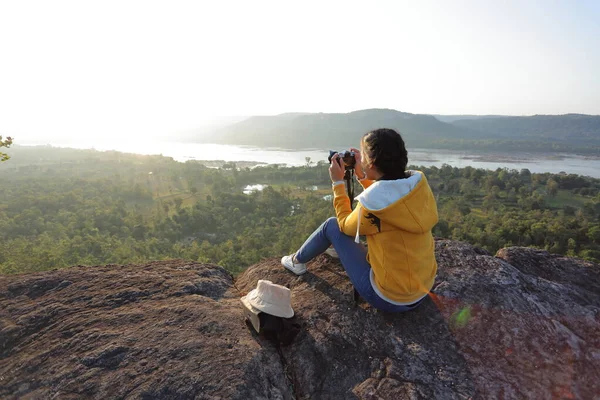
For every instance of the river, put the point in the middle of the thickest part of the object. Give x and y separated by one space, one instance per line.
535 162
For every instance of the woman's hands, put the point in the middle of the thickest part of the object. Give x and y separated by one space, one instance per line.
336 171
358 170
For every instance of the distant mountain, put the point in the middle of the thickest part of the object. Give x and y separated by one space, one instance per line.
327 130
452 118
563 133
574 129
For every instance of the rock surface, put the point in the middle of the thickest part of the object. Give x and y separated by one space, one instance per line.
523 324
168 330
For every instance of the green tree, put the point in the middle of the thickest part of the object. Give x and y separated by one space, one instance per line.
594 233
5 143
552 187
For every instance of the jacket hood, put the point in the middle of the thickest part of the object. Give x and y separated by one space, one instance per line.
407 204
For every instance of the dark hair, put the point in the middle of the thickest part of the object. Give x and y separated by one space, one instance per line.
385 149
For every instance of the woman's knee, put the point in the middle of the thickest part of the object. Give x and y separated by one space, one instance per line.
331 220
331 225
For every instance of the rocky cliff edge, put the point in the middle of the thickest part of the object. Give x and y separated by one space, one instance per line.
522 324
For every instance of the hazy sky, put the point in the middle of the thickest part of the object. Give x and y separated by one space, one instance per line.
134 67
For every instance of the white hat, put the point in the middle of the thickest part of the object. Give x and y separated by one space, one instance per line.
269 298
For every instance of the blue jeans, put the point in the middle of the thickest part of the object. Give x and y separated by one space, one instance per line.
353 257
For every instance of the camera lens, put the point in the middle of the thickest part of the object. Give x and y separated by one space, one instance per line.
331 154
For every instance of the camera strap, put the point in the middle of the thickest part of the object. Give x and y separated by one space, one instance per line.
348 175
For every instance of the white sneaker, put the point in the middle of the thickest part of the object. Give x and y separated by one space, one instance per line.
331 252
288 263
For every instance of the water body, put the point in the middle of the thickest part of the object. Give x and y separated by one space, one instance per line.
535 162
249 189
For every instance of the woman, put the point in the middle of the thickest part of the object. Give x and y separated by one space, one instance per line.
395 212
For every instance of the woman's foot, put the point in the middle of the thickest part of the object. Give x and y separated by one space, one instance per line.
289 262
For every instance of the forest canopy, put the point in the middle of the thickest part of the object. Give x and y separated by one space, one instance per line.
64 207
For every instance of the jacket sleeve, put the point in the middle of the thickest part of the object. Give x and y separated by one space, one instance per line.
346 217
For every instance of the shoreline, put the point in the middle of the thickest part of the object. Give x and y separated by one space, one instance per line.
251 157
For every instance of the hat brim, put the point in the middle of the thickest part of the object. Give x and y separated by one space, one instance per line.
251 313
272 309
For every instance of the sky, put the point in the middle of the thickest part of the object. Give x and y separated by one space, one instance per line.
130 69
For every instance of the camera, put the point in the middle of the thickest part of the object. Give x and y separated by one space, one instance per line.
346 156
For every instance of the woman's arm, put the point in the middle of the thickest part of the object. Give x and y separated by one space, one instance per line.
348 218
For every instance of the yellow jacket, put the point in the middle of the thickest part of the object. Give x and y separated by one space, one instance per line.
397 217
